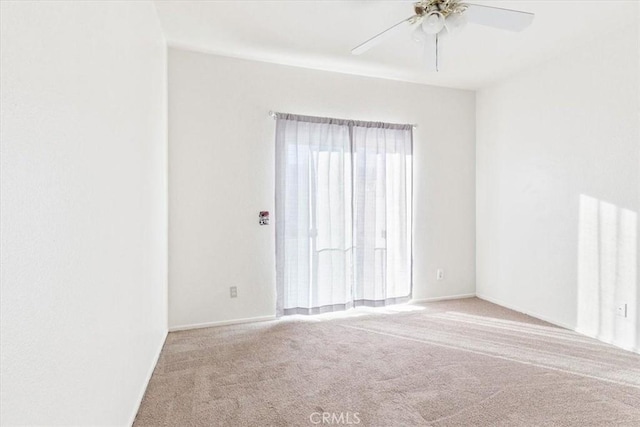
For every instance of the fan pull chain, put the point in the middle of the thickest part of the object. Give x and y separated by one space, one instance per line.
437 52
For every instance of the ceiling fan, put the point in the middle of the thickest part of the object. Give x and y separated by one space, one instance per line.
435 18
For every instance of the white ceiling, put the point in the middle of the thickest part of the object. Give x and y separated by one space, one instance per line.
320 35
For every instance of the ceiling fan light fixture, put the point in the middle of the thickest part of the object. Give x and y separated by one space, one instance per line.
433 16
433 22
418 35
455 22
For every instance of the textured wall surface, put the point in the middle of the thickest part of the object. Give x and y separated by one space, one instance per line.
558 179
83 124
221 145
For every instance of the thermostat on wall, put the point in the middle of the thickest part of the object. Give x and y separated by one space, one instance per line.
264 217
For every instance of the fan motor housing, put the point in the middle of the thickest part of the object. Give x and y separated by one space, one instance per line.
445 7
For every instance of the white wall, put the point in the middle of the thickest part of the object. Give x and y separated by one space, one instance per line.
83 305
558 180
221 174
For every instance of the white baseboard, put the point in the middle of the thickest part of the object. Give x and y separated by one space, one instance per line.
148 378
527 312
449 297
221 323
552 321
610 342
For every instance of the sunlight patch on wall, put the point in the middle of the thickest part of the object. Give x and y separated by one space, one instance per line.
607 268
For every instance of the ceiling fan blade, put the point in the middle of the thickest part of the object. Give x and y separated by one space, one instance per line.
379 38
506 19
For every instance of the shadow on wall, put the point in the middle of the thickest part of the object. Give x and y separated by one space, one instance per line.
607 273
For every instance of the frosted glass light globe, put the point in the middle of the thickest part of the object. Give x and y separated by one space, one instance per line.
418 35
433 23
455 22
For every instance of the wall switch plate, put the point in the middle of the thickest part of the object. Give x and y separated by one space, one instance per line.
622 310
439 274
233 291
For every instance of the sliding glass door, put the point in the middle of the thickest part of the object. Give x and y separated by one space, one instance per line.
343 214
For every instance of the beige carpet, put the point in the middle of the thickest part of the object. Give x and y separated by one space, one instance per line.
454 363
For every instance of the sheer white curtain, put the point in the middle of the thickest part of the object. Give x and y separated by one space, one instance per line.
382 209
343 214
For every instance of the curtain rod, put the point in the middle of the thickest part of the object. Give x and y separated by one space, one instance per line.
274 116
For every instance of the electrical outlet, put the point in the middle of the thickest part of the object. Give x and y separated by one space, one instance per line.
622 310
233 291
440 274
